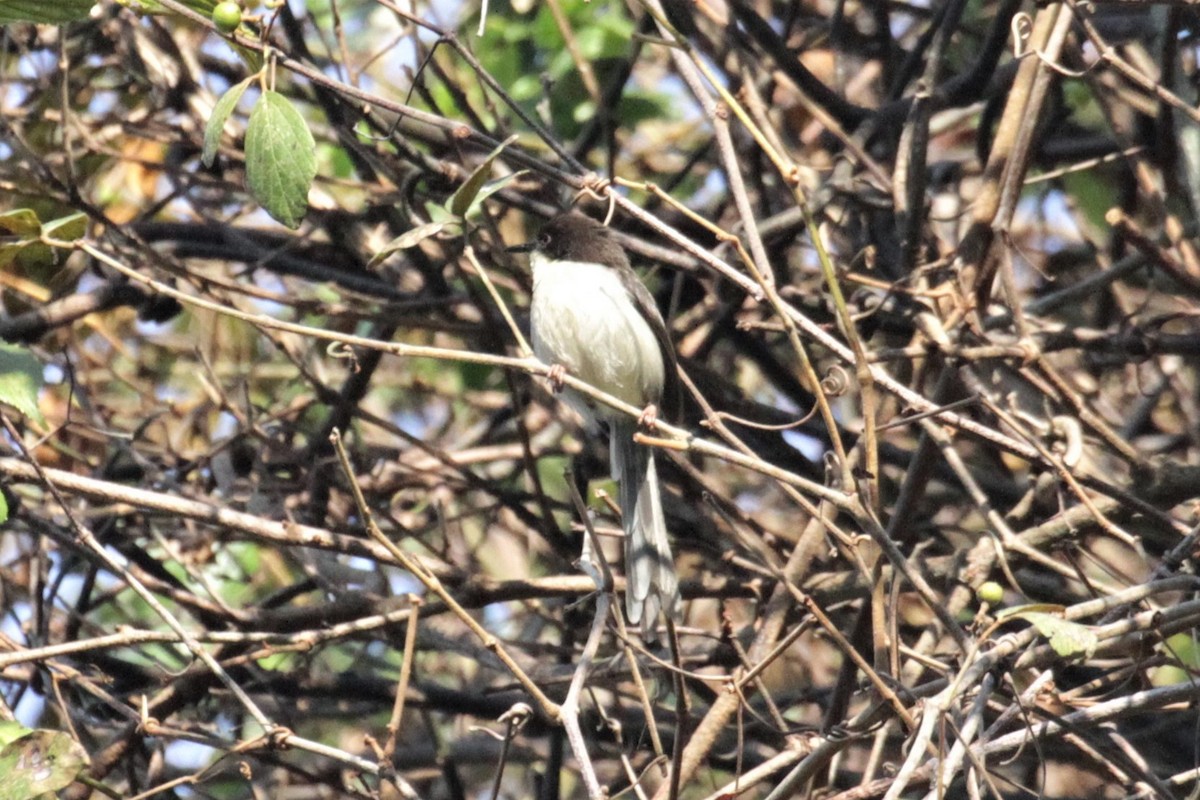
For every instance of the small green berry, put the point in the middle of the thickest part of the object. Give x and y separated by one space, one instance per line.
990 592
227 16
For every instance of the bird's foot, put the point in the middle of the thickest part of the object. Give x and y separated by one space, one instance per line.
556 374
649 417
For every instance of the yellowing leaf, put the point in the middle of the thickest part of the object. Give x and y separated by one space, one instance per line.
1066 637
408 239
39 763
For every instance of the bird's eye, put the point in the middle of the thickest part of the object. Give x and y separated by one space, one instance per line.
544 239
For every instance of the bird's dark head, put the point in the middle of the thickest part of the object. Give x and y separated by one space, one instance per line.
575 237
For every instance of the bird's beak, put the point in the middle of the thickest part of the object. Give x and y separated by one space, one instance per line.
522 248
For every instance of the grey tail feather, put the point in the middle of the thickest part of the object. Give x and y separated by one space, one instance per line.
651 582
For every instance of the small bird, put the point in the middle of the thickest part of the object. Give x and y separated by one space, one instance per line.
595 319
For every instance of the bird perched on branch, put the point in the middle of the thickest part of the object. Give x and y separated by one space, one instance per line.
595 320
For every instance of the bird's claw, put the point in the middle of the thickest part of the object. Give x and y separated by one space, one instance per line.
649 417
555 375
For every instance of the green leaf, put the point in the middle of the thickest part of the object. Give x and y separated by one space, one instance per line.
204 7
50 12
144 6
11 731
278 662
406 240
491 187
438 213
281 158
66 229
526 87
9 251
584 111
216 122
476 377
36 259
607 36
251 58
1026 608
3 508
461 201
1092 192
641 106
21 222
1066 637
20 380
42 762
1182 646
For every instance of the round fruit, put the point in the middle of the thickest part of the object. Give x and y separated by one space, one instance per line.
991 592
227 16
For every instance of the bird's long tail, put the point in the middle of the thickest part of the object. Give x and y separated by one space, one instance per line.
651 583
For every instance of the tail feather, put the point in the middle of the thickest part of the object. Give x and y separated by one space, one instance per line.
651 582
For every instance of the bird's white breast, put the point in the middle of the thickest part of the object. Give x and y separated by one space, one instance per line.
583 319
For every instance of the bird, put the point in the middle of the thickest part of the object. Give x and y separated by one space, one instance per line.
592 317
